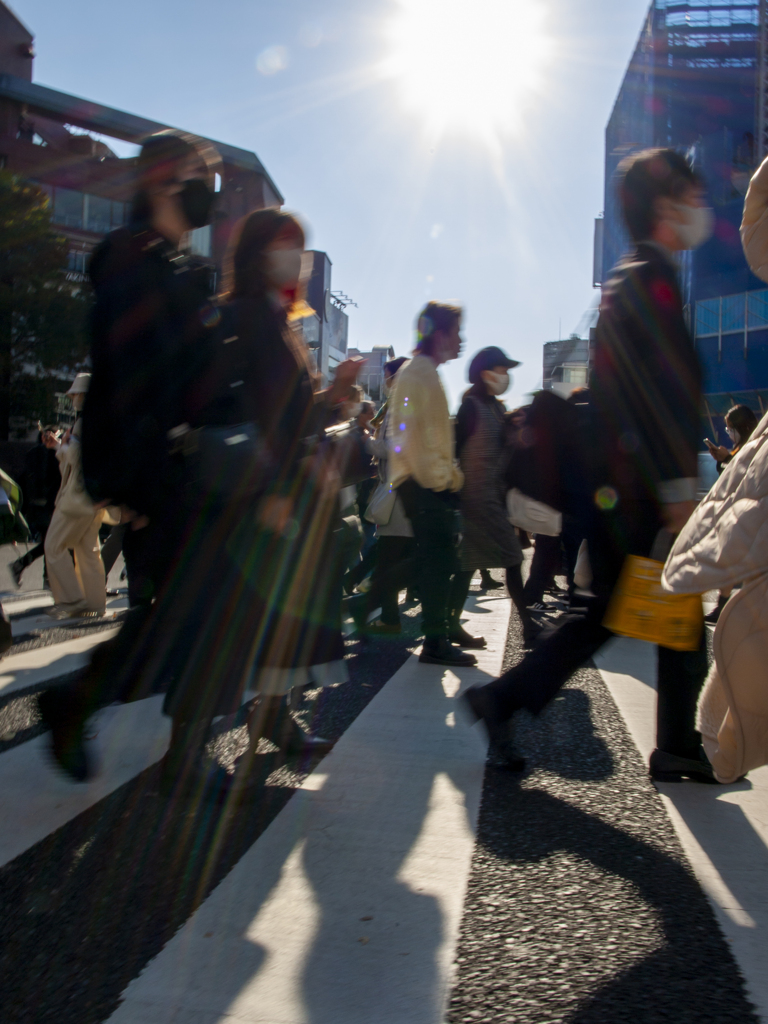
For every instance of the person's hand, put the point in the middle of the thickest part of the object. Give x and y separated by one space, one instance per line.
719 452
67 435
677 514
345 376
274 512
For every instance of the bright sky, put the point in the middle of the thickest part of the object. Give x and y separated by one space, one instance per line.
446 149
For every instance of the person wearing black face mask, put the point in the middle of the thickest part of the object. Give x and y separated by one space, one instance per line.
151 318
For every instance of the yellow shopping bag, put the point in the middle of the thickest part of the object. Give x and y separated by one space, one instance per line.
641 609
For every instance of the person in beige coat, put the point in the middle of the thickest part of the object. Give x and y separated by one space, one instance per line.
725 542
79 588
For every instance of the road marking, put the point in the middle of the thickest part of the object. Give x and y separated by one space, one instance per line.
723 829
36 798
347 908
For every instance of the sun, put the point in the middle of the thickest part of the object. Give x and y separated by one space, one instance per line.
469 65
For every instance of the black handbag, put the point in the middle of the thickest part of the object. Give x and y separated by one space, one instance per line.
228 463
345 445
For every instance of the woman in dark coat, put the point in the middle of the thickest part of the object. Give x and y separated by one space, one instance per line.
257 606
490 540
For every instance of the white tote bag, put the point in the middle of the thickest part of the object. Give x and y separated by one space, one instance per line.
381 505
533 516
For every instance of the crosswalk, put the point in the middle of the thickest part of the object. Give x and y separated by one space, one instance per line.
346 907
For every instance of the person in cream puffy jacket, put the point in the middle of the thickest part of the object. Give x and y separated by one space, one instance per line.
725 542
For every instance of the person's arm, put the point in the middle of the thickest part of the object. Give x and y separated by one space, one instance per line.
657 378
466 424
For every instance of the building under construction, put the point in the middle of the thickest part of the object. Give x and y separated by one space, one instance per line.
697 82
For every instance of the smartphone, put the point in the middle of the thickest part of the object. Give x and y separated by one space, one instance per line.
709 444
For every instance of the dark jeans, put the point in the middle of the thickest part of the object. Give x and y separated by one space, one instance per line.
393 573
537 678
366 564
434 518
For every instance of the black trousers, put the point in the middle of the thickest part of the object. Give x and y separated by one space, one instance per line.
393 573
114 673
547 559
435 520
537 678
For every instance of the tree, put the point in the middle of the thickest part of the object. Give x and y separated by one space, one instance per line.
43 316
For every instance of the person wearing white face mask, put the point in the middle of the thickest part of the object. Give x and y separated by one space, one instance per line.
490 540
644 409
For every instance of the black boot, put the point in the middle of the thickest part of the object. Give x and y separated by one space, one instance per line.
440 652
487 582
459 636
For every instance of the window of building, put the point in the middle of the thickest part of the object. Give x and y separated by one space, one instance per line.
732 313
707 317
68 208
77 261
574 374
98 214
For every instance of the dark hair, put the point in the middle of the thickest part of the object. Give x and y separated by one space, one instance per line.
157 161
368 407
394 365
436 316
646 177
245 262
741 418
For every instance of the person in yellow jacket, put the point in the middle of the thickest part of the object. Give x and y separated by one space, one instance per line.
78 588
423 468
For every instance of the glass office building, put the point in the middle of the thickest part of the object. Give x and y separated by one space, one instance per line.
693 83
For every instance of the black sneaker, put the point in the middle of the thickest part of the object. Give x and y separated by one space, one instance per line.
442 653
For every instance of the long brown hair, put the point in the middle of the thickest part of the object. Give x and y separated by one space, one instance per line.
245 263
245 272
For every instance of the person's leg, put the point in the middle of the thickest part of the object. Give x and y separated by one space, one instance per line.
681 676
458 595
516 590
432 520
61 570
90 568
546 561
366 565
392 574
32 555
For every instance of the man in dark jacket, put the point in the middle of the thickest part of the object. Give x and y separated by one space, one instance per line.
151 318
645 399
40 484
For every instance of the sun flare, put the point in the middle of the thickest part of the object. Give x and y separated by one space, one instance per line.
469 65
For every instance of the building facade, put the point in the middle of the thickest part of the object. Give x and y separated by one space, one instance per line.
62 142
566 365
326 330
371 378
696 83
